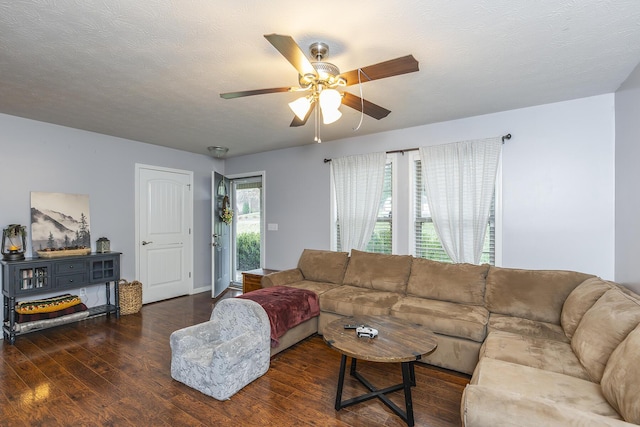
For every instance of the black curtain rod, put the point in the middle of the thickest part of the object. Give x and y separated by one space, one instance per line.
504 137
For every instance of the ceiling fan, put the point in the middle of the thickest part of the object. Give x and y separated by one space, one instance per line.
320 79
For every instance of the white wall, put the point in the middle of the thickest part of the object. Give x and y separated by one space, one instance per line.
627 250
37 156
558 184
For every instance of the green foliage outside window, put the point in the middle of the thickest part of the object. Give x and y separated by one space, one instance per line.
246 208
431 248
248 251
381 238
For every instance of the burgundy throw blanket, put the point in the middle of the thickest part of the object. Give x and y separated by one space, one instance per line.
286 307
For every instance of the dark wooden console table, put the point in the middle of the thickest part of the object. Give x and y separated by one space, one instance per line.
28 278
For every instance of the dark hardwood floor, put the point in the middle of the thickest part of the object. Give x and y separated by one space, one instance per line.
103 371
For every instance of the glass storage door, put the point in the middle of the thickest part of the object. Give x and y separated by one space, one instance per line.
33 278
103 270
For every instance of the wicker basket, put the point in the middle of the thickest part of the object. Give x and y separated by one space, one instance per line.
130 296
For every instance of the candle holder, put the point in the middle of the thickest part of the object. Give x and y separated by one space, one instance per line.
103 245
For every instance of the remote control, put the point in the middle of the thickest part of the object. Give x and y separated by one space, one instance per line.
351 326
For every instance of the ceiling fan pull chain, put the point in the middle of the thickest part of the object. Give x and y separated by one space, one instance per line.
360 72
317 125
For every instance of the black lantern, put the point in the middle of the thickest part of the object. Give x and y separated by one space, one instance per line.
14 242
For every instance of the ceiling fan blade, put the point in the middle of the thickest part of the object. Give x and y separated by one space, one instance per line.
297 122
292 52
231 95
393 67
370 109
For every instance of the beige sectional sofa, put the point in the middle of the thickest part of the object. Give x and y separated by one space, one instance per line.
543 347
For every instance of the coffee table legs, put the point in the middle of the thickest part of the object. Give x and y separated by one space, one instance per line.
408 381
343 364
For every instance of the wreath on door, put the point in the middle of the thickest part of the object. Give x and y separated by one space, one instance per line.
226 215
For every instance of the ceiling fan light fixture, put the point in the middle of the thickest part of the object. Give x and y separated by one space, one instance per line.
330 99
300 107
307 79
330 116
327 72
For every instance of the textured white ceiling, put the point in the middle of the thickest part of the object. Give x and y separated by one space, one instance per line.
152 70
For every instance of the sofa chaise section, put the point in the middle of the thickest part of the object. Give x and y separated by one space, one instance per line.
508 394
590 375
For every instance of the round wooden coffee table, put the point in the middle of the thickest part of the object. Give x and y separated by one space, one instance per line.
398 341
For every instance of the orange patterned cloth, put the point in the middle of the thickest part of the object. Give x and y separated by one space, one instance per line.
48 305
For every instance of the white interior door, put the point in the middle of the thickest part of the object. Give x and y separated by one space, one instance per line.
221 236
165 216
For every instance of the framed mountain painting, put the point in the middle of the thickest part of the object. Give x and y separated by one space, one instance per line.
59 221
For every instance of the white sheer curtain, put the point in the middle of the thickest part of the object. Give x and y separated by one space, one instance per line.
358 182
459 182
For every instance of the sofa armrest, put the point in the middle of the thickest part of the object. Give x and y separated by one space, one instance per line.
282 278
488 407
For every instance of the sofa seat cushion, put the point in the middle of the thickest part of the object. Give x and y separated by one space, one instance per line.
520 326
378 271
536 383
602 328
317 287
353 300
462 283
579 301
484 406
443 317
621 378
549 355
323 266
530 294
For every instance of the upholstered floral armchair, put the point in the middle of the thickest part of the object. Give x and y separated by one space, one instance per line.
224 354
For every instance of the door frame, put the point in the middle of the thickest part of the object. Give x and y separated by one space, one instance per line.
189 216
263 218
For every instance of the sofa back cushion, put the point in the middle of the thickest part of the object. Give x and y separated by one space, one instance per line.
462 283
530 294
323 266
378 271
602 328
621 378
579 301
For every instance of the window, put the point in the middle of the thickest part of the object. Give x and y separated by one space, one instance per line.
404 224
426 243
381 238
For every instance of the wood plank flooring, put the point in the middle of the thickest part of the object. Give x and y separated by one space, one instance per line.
108 372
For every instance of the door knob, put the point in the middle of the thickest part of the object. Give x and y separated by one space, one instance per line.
145 243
